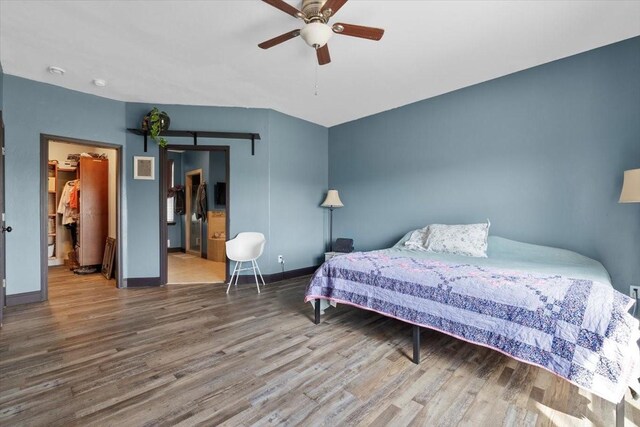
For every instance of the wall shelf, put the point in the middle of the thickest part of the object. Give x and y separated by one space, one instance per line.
195 134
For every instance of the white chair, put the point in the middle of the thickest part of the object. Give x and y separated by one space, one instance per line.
246 247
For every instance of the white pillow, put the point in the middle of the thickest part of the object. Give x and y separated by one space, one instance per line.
468 239
418 239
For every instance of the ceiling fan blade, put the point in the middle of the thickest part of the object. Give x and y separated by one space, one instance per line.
358 31
280 39
285 7
323 55
334 5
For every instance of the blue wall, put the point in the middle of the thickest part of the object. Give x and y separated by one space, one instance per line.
290 149
29 109
299 177
249 176
540 152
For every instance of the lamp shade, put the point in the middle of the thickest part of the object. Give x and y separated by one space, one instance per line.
332 200
631 187
316 34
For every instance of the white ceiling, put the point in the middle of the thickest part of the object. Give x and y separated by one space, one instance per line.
205 52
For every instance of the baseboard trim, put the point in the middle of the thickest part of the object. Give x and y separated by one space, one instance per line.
173 250
143 282
276 277
291 274
23 298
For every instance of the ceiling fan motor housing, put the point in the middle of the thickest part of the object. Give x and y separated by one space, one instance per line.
312 8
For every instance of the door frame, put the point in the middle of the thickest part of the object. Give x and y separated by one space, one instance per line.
162 199
3 246
44 160
188 184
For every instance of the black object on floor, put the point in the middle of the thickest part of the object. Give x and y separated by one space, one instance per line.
85 270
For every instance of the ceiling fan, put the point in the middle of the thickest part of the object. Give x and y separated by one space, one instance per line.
317 32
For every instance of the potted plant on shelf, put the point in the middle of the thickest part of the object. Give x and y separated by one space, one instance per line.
155 122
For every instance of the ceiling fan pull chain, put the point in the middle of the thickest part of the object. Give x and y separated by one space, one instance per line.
316 88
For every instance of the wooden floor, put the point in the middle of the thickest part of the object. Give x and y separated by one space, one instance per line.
188 268
190 355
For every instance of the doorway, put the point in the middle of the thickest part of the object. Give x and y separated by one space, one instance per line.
194 216
81 218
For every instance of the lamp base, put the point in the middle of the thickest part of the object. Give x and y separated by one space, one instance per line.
330 229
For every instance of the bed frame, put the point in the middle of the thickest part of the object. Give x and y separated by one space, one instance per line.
416 358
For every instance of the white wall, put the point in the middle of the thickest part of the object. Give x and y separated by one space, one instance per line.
59 151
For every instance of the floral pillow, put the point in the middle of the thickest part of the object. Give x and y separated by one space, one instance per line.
418 239
469 239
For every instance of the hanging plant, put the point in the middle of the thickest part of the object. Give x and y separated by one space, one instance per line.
156 122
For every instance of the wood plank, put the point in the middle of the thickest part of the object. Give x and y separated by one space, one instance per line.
192 355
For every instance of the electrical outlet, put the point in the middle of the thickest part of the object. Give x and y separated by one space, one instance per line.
280 259
633 288
168 243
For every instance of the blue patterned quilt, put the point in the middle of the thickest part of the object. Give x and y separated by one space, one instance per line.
579 329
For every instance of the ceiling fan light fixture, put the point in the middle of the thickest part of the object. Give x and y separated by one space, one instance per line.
316 34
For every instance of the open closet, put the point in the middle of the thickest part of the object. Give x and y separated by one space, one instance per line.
81 206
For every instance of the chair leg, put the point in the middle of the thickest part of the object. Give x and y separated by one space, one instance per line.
253 263
231 278
238 274
260 273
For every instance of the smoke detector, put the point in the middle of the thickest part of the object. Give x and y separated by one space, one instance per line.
100 82
56 70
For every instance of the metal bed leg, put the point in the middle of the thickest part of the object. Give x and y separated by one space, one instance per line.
316 307
620 413
416 345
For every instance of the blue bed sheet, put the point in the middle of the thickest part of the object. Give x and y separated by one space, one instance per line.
509 254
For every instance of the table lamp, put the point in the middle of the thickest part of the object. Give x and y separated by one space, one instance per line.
332 201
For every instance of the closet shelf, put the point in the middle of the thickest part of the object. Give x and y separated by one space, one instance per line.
195 134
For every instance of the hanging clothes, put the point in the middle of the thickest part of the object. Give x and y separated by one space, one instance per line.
73 230
180 205
69 214
201 202
74 196
177 193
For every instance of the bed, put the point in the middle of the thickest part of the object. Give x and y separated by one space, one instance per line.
544 306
